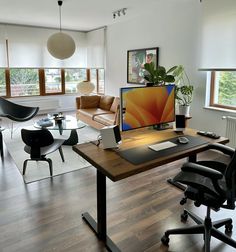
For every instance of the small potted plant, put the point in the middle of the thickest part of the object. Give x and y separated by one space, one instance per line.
159 75
184 90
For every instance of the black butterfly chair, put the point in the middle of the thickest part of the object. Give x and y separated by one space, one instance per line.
213 184
40 143
16 112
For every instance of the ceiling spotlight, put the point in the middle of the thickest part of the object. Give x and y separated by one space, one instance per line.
119 12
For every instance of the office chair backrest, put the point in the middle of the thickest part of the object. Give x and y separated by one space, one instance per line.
15 111
230 179
36 139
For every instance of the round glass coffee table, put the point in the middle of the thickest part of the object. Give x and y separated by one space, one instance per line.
64 123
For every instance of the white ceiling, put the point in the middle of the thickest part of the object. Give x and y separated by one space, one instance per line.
82 15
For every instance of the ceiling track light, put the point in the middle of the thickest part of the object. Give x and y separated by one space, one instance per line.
61 45
119 12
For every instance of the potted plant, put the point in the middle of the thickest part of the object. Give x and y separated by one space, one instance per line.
184 90
159 75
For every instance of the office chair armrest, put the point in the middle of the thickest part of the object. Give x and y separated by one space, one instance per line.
223 148
201 170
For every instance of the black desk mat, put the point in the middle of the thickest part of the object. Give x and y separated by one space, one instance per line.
142 154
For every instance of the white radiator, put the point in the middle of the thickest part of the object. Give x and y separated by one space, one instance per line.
45 105
231 130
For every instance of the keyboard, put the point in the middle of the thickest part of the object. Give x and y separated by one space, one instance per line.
162 146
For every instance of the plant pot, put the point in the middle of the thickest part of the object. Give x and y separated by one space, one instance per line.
184 110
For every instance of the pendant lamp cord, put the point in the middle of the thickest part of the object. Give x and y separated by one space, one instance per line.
60 4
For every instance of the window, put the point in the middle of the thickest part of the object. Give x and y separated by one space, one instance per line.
97 77
53 83
101 81
223 89
72 78
24 82
15 82
2 82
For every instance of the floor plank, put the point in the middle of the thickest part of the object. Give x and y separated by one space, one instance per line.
46 215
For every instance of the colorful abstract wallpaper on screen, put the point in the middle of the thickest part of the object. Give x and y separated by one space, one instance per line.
146 106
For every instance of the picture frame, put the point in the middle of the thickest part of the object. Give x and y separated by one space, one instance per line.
135 63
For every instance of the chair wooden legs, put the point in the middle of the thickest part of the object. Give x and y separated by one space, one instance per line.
45 159
61 154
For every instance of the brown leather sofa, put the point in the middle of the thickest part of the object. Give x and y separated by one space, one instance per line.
98 111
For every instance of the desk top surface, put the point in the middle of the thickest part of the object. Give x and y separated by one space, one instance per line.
116 168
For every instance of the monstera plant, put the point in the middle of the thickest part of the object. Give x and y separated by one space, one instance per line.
156 76
184 90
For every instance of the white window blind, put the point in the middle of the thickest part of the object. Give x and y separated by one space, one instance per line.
3 55
218 34
28 48
96 48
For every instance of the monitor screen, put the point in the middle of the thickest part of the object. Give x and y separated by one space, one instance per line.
146 106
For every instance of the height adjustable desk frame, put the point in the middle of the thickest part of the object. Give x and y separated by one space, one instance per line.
109 164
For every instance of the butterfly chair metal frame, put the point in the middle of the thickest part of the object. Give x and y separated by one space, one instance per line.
40 143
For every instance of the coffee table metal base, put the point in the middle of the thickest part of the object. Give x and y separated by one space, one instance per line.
73 138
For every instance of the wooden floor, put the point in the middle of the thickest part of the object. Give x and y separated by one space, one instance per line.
46 215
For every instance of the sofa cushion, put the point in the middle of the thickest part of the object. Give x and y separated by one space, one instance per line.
105 102
87 101
115 104
106 119
91 112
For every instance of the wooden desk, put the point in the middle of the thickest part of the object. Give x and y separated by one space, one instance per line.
109 164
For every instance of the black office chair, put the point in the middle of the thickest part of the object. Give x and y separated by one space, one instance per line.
40 143
213 184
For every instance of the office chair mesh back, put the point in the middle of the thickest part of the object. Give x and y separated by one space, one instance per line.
36 139
230 178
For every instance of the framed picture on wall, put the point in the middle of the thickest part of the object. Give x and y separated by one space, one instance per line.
135 63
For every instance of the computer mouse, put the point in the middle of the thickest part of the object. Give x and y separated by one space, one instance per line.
183 140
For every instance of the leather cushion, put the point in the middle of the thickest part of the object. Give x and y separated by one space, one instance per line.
106 119
115 104
89 101
93 112
106 102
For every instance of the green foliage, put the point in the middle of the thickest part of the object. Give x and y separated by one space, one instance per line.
227 88
158 76
184 90
24 76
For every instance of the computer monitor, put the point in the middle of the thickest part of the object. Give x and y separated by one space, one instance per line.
147 106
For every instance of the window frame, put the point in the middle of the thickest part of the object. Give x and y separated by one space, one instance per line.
213 88
42 83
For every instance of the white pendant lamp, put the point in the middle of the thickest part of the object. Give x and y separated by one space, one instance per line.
61 45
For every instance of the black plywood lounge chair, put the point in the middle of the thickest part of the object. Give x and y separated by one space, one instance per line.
40 143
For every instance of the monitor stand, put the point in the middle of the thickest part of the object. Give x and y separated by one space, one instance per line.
162 126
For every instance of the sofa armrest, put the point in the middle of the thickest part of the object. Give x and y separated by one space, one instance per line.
77 99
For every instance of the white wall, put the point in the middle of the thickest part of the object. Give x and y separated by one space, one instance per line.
218 39
176 28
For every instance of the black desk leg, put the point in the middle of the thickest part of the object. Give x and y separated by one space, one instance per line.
1 144
193 159
100 227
